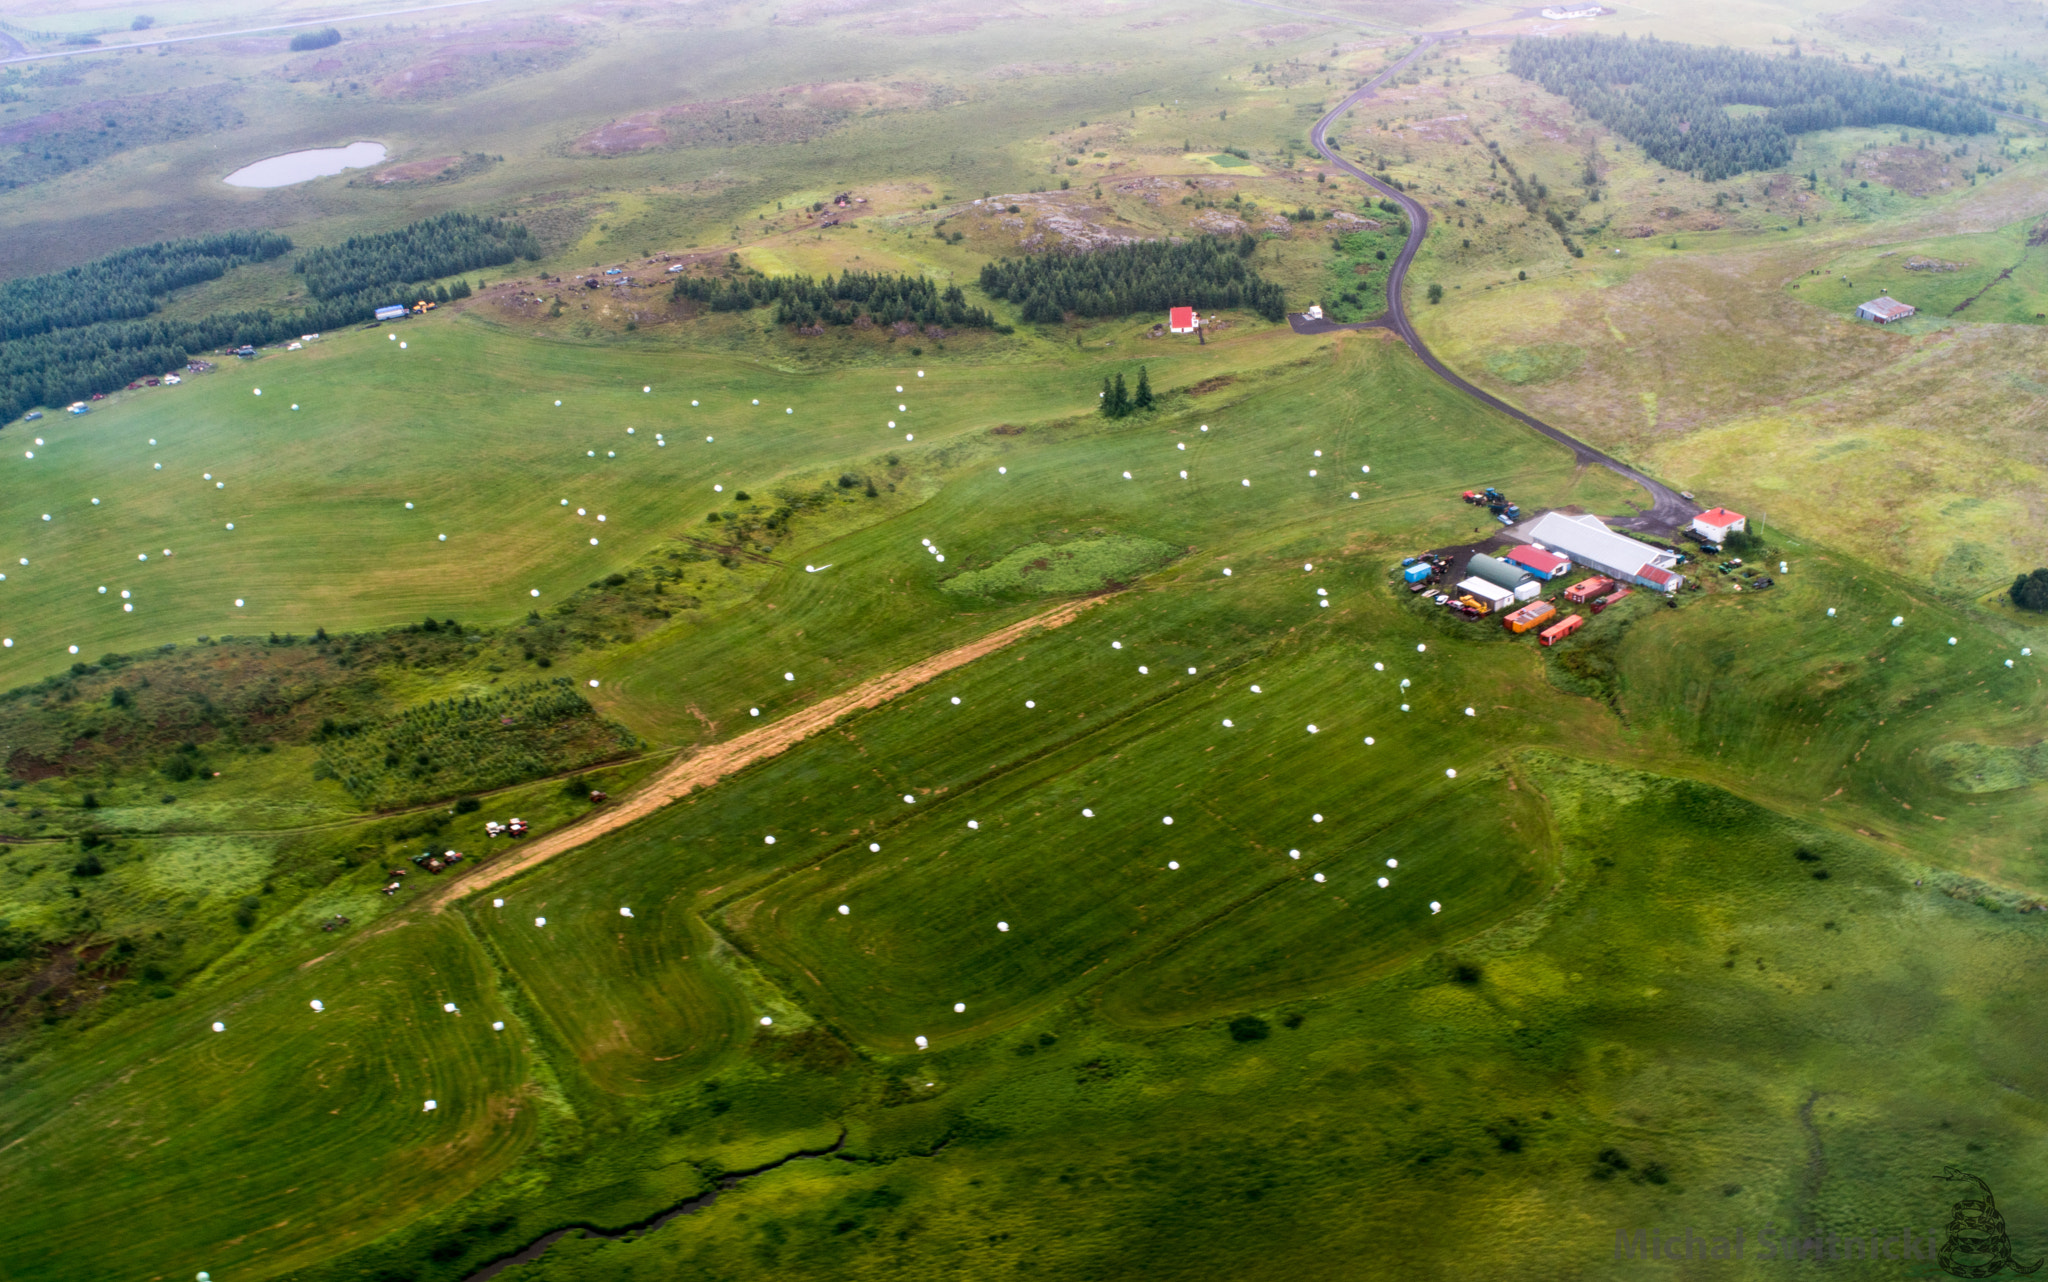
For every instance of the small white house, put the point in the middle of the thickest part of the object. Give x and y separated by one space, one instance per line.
1718 524
1492 595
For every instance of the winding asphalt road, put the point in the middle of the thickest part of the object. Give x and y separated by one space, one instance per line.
1668 509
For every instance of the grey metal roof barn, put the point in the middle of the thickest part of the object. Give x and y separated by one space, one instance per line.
1496 571
1884 310
1589 542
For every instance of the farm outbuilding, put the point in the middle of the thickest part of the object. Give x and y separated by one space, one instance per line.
1180 320
1495 571
1590 543
1718 524
1884 310
1544 564
1491 595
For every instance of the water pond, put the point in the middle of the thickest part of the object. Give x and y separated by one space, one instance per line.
302 166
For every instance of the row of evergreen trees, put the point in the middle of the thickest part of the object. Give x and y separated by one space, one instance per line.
839 300
1118 401
127 284
1148 276
91 328
1670 98
68 365
425 250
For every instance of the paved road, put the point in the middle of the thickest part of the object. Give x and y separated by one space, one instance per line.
1668 509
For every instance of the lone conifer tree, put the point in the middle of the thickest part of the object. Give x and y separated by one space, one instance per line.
1108 399
1144 399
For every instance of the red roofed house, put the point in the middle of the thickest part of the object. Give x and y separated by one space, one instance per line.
1718 524
1180 320
1537 561
1659 578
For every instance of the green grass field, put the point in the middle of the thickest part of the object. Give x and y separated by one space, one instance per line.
1711 917
633 1065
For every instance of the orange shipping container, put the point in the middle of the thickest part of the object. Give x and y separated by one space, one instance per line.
1558 632
1529 616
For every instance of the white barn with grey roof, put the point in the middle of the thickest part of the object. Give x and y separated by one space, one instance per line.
1586 540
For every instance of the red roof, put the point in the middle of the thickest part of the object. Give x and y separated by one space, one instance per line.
1180 318
1661 577
1720 518
1539 560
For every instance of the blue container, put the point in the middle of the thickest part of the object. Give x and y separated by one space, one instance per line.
1416 573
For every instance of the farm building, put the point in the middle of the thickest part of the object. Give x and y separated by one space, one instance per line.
1718 524
1590 543
1884 310
1542 563
1497 572
1180 320
1491 595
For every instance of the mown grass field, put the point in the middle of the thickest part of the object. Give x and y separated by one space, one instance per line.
634 1066
1726 927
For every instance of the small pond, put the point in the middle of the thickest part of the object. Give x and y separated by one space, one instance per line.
302 166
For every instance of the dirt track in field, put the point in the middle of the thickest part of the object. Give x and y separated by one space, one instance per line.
705 768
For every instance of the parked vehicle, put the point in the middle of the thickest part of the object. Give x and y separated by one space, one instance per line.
31 416
1559 631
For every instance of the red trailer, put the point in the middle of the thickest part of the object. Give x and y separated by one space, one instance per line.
1557 632
1610 599
1580 593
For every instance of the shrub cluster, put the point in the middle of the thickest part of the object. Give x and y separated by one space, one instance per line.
1150 276
883 298
470 744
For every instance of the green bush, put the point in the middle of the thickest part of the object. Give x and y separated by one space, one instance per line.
1249 1028
2030 591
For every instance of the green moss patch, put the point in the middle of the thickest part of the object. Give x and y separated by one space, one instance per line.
1542 363
1987 767
1046 569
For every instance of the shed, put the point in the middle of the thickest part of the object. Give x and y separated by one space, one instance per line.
1544 564
393 312
1180 320
1495 571
1491 595
1718 524
1884 310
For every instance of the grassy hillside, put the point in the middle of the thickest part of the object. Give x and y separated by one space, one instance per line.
1719 914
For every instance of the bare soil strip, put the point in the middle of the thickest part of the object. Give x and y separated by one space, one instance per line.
716 762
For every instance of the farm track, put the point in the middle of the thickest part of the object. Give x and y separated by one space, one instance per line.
703 769
1668 510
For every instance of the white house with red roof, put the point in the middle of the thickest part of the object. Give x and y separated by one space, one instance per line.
1180 320
1718 524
